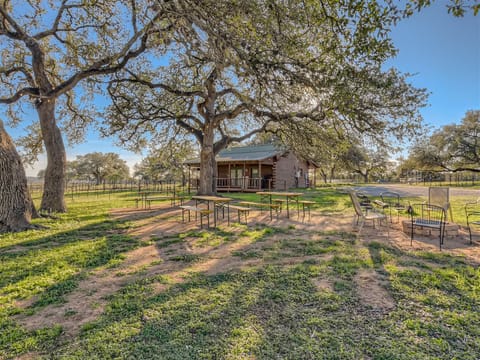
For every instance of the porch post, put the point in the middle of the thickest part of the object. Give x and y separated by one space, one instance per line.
260 175
189 178
245 185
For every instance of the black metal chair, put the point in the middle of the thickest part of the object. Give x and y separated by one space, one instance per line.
391 201
428 216
472 212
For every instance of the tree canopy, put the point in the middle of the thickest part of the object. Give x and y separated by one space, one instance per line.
165 162
454 147
237 68
99 167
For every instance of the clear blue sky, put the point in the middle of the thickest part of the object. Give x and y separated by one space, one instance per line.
444 54
442 51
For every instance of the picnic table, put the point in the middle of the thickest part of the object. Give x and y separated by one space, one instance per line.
287 195
216 202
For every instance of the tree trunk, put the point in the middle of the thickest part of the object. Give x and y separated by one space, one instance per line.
332 173
365 177
324 176
16 205
208 165
54 184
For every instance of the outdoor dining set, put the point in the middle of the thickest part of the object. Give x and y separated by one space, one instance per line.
432 217
273 202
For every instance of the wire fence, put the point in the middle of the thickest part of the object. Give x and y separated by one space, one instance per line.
74 189
77 188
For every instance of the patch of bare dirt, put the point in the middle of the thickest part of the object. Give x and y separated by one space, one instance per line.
87 302
323 284
371 291
28 356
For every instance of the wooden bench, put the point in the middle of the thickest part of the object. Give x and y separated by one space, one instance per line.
276 207
173 199
280 203
306 206
240 210
204 213
137 200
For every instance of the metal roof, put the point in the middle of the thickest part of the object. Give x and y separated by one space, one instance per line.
245 153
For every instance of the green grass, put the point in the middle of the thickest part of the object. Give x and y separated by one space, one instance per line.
272 310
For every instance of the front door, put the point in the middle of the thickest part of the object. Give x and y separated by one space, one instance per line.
236 176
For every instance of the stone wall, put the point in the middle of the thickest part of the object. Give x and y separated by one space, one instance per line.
451 230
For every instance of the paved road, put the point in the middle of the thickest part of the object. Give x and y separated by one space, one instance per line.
413 190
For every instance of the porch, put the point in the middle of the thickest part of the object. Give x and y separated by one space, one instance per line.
241 184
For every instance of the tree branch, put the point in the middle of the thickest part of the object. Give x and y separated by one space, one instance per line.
28 91
196 132
162 86
100 67
22 70
19 34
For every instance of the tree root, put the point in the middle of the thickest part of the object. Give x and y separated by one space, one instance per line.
24 227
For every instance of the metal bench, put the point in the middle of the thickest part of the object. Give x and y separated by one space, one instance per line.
280 203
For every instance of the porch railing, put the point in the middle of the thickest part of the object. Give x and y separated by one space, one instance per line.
242 184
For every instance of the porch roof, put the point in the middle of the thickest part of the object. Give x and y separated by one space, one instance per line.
244 153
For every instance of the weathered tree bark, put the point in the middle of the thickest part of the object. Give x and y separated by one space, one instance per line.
208 166
16 205
54 182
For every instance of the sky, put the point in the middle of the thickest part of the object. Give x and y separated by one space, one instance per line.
441 51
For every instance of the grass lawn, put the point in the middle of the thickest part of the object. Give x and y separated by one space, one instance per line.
263 292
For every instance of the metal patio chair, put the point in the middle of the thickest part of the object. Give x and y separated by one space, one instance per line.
440 196
428 216
391 201
363 214
472 213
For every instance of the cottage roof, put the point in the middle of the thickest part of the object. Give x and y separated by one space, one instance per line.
245 153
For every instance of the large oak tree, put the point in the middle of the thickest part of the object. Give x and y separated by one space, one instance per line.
237 68
47 48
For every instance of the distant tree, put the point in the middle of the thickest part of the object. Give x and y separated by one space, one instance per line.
452 148
16 205
368 161
166 162
100 167
320 143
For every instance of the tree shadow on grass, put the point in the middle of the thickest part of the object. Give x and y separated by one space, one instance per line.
63 252
437 306
215 317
